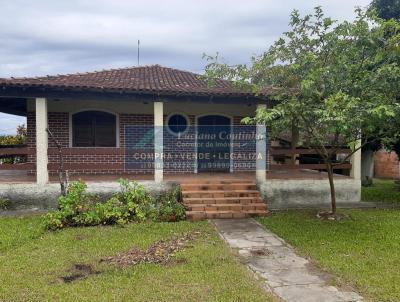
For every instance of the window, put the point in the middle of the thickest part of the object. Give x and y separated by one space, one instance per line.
177 124
94 129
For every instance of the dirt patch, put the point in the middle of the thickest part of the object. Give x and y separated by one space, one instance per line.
260 252
176 261
78 271
331 216
80 237
161 252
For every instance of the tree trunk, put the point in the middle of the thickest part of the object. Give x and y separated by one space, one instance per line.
295 141
332 187
62 175
63 180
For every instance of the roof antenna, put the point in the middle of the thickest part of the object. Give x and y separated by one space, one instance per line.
138 52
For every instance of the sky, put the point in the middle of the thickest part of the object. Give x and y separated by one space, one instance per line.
45 37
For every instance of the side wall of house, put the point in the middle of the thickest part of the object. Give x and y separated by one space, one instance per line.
386 165
134 120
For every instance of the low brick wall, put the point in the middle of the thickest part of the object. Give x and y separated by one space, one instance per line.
386 165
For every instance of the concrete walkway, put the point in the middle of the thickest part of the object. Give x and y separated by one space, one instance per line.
290 277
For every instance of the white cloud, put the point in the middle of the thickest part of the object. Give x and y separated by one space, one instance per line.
9 123
47 36
54 37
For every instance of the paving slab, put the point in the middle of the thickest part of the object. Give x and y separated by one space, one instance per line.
291 277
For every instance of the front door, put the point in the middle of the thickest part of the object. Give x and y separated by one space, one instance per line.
213 143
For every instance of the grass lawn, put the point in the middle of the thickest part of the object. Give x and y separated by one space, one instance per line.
32 261
383 190
363 250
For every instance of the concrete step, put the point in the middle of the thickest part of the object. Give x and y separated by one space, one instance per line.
201 215
218 187
222 200
219 193
234 207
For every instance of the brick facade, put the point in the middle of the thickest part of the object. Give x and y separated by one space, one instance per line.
135 153
386 165
132 131
31 138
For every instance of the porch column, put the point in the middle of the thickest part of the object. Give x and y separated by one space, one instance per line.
42 175
158 141
355 160
261 149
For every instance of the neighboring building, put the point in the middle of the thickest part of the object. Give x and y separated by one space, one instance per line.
386 165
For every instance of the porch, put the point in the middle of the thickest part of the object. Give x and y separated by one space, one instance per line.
276 164
254 172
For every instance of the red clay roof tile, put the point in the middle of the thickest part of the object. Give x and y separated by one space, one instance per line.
153 79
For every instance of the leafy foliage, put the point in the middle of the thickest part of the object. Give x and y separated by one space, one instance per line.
387 9
18 139
14 140
4 204
336 82
132 203
167 207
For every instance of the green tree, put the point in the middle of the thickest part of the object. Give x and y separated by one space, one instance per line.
334 80
13 140
387 9
18 139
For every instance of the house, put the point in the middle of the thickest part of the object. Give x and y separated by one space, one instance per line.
160 123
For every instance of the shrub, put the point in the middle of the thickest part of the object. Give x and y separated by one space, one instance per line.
4 204
70 207
168 207
135 197
131 203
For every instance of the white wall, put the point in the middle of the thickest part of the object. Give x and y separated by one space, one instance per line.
147 107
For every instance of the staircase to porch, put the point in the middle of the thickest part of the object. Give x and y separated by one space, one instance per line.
222 199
